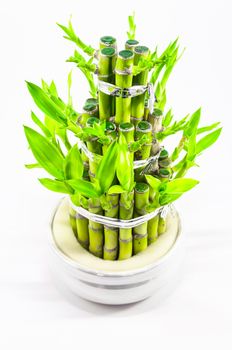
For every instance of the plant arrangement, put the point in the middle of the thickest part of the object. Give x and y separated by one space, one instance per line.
117 167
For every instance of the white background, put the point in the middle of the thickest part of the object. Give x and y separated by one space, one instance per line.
33 313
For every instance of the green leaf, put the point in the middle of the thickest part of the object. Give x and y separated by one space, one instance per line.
106 169
53 89
71 35
33 166
175 189
45 103
168 118
153 182
180 185
125 172
207 140
69 88
132 27
87 69
193 123
207 128
43 127
169 67
73 165
46 154
85 188
115 189
168 198
56 186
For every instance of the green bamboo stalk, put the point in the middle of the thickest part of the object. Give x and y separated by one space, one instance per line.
125 234
72 220
143 128
162 225
127 129
96 231
140 232
107 59
107 41
131 44
93 146
110 131
111 233
152 229
137 103
89 110
91 100
123 79
146 110
95 102
82 225
152 226
164 174
164 160
156 120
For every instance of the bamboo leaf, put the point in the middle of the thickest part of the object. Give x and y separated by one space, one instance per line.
69 88
168 118
207 128
125 173
56 186
46 154
43 127
132 27
85 188
33 166
169 198
106 169
207 140
115 189
180 185
53 89
193 123
175 189
71 35
153 182
45 103
73 165
87 69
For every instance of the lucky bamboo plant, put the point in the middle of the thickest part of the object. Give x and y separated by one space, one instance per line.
117 168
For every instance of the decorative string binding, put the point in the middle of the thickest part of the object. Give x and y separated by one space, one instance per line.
113 222
133 91
97 157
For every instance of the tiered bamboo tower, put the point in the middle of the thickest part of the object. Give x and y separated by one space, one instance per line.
118 168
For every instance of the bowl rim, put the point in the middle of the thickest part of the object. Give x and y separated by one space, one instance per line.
101 273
